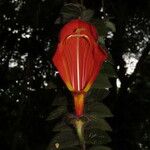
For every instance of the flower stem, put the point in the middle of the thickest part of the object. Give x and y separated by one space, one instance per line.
79 125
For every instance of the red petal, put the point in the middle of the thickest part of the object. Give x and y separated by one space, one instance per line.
78 59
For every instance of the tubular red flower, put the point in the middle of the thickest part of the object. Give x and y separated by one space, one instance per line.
78 59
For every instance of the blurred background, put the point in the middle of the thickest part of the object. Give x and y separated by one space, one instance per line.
28 38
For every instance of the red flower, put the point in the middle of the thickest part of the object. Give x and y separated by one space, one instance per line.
78 59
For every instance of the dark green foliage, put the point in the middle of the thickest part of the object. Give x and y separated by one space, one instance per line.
59 111
101 82
108 69
65 139
95 114
96 137
72 11
60 100
104 26
100 148
62 126
98 123
70 148
98 108
97 94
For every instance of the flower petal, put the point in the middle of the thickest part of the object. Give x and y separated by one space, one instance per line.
78 59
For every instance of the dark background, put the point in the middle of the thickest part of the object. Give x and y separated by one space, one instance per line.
28 37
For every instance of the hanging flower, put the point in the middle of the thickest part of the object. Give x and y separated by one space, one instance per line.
78 59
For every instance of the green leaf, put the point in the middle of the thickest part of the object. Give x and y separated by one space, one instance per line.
87 14
72 8
96 137
102 82
99 124
103 26
101 40
110 26
72 148
60 101
99 148
110 59
97 95
62 126
102 114
97 110
64 139
57 112
70 11
108 70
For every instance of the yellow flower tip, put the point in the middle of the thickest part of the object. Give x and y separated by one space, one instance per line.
87 87
69 86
